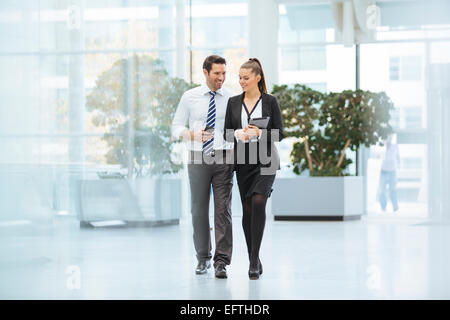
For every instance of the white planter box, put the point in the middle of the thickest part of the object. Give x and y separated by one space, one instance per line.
139 202
159 198
318 198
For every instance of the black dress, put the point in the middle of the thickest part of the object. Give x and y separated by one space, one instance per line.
249 177
251 181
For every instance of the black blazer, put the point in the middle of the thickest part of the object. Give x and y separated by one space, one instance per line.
270 108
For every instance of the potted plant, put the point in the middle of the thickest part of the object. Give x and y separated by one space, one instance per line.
326 128
134 103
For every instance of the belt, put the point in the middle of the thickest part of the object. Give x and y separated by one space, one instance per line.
218 156
214 153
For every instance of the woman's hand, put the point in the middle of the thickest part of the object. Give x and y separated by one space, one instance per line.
252 131
248 132
242 135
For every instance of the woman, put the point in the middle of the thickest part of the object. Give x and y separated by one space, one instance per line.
254 180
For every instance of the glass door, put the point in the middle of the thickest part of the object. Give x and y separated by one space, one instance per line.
397 175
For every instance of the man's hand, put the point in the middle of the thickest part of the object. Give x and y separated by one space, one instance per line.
201 135
197 135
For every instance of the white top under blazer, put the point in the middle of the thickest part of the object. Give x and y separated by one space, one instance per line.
255 113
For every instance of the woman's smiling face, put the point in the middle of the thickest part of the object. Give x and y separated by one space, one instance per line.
247 79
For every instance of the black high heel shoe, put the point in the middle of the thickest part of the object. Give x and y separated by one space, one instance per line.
260 267
254 273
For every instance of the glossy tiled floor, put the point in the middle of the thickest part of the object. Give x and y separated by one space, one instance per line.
368 259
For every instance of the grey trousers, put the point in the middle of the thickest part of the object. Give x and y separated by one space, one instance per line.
201 177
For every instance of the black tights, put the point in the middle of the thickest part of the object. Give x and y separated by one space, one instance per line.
253 222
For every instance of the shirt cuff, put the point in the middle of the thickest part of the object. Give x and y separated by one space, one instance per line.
176 132
260 133
251 139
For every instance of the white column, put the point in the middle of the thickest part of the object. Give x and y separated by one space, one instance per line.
263 37
75 25
445 140
180 45
438 117
166 34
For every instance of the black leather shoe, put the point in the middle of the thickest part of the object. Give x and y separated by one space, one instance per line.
203 266
221 271
253 274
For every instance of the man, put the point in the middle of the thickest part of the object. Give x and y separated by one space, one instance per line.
210 163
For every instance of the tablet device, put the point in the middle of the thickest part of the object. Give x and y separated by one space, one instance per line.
260 122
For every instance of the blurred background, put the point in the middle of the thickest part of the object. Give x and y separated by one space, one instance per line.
88 90
72 73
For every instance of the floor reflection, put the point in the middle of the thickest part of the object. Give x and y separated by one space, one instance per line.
366 259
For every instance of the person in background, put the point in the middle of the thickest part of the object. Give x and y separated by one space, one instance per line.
388 175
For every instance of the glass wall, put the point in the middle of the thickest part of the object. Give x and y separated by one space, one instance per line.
309 55
220 27
400 63
399 70
81 97
397 61
87 87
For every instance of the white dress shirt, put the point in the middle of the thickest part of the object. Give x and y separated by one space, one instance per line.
193 109
391 158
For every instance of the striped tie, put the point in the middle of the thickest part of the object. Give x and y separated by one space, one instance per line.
208 146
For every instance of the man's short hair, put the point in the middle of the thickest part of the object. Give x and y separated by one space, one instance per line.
207 64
